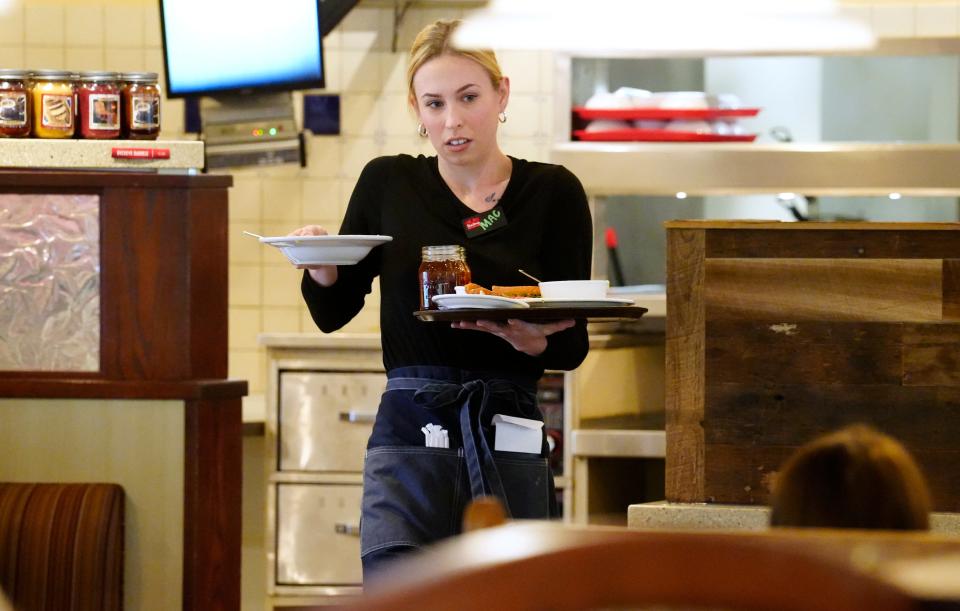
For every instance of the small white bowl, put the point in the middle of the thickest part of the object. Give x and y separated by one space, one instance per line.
574 289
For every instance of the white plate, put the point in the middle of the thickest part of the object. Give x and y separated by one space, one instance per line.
326 249
539 302
451 301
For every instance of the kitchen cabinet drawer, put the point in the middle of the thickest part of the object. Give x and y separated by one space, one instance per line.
318 540
325 419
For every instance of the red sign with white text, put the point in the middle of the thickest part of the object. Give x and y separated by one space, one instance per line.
140 153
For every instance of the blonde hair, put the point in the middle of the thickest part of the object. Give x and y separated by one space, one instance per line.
434 41
856 477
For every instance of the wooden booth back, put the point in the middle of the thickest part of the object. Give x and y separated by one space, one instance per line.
61 546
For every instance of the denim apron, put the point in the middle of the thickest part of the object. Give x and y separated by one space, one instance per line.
414 495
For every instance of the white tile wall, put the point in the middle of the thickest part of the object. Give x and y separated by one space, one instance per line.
320 203
243 325
282 319
281 285
894 20
938 20
11 29
44 57
91 58
124 26
44 25
84 26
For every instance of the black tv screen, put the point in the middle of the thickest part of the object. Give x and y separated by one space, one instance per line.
230 46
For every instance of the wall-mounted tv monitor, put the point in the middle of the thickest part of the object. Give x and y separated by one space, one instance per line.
241 46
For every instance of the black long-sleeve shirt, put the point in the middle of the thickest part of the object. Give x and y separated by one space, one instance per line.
548 234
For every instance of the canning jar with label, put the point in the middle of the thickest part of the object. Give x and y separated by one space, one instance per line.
53 104
140 99
441 269
14 104
98 105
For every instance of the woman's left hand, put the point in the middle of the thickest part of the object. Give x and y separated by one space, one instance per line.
527 337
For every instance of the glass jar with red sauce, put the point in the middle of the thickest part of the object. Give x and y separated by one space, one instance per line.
98 105
14 104
140 100
441 269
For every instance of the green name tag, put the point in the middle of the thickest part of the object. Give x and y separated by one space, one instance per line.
482 224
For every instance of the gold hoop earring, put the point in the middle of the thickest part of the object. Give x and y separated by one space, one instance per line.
502 117
421 130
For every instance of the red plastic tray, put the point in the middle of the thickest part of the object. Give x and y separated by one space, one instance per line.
656 135
664 114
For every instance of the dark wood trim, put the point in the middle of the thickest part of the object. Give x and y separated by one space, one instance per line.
951 290
832 243
92 388
59 180
213 474
685 366
207 331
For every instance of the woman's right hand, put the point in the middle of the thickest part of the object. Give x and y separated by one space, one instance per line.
324 275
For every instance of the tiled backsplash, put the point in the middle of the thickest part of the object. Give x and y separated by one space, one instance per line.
931 19
264 289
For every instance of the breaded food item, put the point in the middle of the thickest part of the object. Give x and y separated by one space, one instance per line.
475 289
516 292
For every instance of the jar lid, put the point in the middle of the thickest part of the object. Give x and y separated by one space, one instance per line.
51 75
442 250
99 75
139 77
16 75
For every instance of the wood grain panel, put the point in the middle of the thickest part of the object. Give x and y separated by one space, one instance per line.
951 289
744 475
45 388
685 370
144 286
831 243
211 505
810 328
931 355
812 289
793 414
931 365
19 181
803 352
207 270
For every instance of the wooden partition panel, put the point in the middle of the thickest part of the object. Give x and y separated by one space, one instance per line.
163 313
793 330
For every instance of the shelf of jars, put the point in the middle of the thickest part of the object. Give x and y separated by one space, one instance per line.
828 168
39 153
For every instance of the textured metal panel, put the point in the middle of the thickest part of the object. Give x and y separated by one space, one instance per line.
49 282
326 418
318 540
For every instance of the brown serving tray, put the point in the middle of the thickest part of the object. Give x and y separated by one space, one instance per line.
537 314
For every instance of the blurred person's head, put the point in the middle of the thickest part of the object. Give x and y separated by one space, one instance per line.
856 477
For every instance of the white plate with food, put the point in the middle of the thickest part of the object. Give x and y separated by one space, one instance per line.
487 302
541 302
326 249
